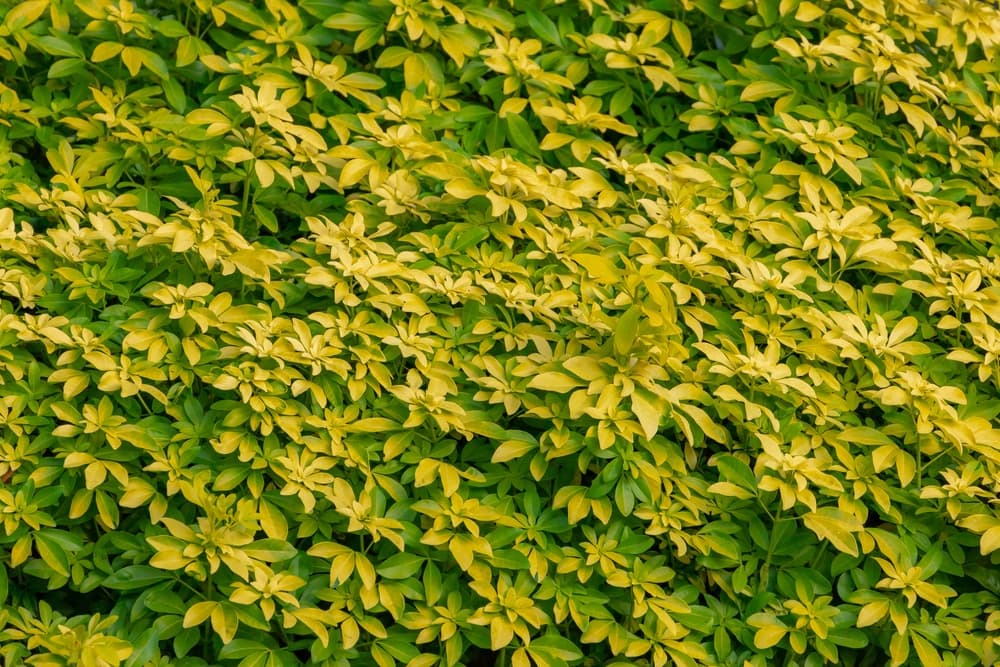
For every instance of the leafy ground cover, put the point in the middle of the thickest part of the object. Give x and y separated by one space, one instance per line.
513 333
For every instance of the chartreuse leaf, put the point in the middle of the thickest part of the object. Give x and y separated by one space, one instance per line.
626 330
400 566
836 526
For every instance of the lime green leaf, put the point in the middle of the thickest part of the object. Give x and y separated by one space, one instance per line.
401 566
626 330
759 90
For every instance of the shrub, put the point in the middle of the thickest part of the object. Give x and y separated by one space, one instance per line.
420 333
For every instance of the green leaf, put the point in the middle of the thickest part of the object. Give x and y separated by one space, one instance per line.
543 26
401 566
52 553
64 45
241 648
135 577
270 550
735 470
558 646
165 602
66 67
171 28
521 135
174 94
509 559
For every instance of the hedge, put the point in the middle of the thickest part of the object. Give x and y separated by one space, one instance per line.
501 332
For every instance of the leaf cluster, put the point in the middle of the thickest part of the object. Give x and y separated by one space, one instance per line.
413 332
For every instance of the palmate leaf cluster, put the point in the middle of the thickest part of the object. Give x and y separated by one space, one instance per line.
502 332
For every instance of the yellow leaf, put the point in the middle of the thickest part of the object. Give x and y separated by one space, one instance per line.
554 381
512 105
807 12
463 188
81 503
598 267
872 613
836 526
273 521
648 411
926 652
501 632
132 58
198 613
554 140
729 489
224 622
511 449
682 35
426 473
990 541
350 632
768 636
77 459
95 474
759 90
137 493
169 560
461 550
106 51
21 550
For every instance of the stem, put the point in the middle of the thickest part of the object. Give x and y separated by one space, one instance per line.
187 586
919 464
502 658
642 95
244 207
765 567
878 94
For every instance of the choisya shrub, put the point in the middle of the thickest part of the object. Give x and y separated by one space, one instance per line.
515 333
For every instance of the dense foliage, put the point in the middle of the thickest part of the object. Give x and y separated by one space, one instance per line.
513 332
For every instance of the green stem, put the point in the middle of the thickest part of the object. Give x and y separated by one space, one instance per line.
187 586
245 206
919 464
502 658
765 567
642 95
878 94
